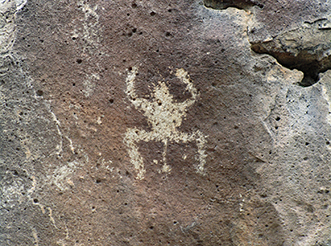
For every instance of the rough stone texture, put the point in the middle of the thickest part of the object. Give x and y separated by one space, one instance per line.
86 84
307 48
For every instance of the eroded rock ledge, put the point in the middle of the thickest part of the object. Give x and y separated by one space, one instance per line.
307 49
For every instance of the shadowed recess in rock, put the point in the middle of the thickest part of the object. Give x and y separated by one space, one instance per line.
240 4
306 48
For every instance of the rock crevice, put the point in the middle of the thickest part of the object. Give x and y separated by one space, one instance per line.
306 48
240 4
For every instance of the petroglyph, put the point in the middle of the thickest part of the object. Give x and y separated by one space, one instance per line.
164 115
89 84
91 28
35 237
61 175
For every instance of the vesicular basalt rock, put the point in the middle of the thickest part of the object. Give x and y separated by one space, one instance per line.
164 123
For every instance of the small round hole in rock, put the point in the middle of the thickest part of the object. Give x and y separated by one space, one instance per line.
39 93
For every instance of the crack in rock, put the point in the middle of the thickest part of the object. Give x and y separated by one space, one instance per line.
307 48
240 4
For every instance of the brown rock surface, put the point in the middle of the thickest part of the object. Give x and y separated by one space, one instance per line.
155 123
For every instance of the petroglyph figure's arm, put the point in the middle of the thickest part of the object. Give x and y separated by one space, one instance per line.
130 91
184 77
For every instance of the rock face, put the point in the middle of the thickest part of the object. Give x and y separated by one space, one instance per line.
165 122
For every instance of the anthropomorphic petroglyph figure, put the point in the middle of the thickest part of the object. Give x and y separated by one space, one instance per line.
164 115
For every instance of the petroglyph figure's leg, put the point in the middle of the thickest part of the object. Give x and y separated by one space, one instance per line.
166 168
200 140
133 136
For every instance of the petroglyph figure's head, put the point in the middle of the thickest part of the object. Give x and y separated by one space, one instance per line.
161 94
163 112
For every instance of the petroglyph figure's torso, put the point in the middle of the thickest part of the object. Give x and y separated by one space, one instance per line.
165 116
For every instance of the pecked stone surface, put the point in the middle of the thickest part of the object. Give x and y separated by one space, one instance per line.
156 123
